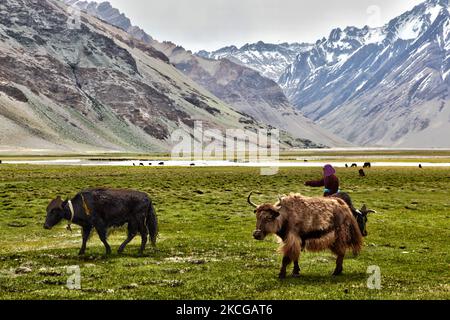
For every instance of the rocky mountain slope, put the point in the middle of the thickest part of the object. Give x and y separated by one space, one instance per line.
270 60
241 87
92 87
248 92
108 13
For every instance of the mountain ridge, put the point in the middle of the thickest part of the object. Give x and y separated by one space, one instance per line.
270 60
242 88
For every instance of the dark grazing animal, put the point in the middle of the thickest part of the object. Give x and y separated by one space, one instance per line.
105 208
360 215
346 165
367 165
161 163
354 165
362 173
314 224
420 166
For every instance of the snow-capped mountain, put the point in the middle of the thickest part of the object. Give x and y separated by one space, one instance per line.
380 86
271 60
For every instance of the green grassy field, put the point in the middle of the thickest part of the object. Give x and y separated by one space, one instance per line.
206 250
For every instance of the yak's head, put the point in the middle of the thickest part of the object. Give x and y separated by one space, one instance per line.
55 213
266 219
361 218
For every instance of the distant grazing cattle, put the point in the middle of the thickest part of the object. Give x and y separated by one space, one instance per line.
105 208
367 165
192 164
161 163
346 165
362 173
354 165
420 166
314 224
141 164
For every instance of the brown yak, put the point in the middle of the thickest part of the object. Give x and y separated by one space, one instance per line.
314 224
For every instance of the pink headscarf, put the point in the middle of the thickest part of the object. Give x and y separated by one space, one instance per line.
328 170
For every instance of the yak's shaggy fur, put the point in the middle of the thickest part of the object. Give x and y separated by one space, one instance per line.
314 224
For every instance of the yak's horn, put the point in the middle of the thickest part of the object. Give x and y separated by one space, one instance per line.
367 211
250 201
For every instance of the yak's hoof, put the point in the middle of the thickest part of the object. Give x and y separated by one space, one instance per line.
296 275
337 272
282 276
81 253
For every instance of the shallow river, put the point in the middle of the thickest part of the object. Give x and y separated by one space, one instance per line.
171 163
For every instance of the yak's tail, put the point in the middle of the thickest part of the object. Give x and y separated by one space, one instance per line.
152 224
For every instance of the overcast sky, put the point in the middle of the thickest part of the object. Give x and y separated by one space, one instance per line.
212 24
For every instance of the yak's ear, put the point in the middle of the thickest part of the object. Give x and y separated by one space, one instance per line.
59 202
274 214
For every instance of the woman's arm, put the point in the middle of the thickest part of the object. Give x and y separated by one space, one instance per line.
315 184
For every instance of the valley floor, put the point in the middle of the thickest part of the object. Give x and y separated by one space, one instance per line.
205 247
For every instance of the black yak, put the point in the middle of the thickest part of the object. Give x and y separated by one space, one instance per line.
105 208
360 215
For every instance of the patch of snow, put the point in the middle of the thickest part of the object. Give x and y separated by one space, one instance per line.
410 29
374 35
361 85
433 12
221 163
423 47
445 74
329 57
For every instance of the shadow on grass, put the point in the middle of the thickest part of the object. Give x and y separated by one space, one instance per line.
323 279
70 255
